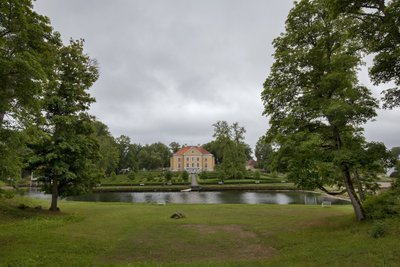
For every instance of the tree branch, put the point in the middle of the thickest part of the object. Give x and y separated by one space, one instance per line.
331 193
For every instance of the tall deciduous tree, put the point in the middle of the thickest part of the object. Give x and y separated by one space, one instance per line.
128 154
108 149
315 104
67 151
27 46
174 147
379 27
229 141
263 153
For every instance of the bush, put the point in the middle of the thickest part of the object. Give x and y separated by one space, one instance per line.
385 205
131 176
203 175
113 176
379 230
257 175
7 193
185 176
168 175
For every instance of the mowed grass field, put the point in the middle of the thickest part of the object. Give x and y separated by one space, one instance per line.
211 235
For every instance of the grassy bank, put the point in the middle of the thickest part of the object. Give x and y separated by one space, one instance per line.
237 235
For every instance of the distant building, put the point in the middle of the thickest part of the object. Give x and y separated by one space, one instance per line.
192 159
251 164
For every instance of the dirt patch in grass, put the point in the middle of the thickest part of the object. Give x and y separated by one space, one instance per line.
193 243
230 228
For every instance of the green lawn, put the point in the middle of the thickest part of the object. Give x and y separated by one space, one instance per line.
210 235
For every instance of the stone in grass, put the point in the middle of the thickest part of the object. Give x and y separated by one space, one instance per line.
177 215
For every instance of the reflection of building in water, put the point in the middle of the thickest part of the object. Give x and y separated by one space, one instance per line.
192 159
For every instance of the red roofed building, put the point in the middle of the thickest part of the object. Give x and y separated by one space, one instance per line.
192 159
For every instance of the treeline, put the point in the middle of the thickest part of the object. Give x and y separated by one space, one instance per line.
120 155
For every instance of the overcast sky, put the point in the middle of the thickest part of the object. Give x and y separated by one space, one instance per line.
169 69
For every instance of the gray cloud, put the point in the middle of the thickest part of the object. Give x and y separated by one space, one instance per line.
170 69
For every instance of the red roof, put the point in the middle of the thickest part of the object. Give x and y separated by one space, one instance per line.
183 150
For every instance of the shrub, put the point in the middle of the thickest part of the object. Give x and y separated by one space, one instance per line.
385 205
7 193
185 176
113 176
131 175
257 175
379 230
168 175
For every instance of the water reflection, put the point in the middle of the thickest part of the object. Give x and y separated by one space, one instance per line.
265 197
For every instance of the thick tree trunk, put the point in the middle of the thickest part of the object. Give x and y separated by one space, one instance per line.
54 196
359 186
355 201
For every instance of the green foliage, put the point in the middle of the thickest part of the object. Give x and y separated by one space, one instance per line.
8 194
256 175
379 230
229 141
380 36
108 149
174 147
185 176
395 151
168 175
263 153
131 175
315 104
28 46
66 149
203 175
384 205
27 52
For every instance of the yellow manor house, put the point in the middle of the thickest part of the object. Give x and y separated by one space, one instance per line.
192 159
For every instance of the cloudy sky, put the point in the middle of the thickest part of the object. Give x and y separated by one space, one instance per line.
170 69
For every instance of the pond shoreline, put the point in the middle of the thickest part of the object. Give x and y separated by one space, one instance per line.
202 188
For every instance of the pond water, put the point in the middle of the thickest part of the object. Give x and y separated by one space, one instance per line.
224 197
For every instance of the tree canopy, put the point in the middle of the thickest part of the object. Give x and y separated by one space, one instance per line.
66 150
378 26
230 147
313 99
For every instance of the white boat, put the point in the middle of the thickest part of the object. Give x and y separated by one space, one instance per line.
186 190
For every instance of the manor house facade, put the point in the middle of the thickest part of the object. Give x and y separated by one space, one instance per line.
192 159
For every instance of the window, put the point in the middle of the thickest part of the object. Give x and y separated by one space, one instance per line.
198 159
179 159
187 165
205 165
187 159
179 165
198 165
205 159
192 165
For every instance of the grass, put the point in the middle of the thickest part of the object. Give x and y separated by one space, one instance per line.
211 235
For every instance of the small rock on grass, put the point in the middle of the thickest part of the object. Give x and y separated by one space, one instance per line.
177 215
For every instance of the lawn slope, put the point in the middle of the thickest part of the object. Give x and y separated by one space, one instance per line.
229 235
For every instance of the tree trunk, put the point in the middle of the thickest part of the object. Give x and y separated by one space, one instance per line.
355 201
359 186
54 196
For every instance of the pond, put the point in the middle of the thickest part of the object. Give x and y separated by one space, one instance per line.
223 197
